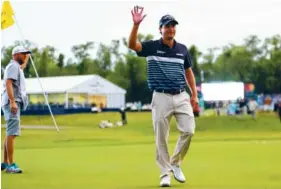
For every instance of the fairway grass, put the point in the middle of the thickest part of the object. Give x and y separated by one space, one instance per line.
226 153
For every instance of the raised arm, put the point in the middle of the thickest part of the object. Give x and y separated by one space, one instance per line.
137 19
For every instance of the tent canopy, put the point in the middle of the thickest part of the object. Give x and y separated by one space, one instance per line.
89 84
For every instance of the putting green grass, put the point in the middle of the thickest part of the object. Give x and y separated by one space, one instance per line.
226 153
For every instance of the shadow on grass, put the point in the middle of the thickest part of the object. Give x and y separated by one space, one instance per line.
157 186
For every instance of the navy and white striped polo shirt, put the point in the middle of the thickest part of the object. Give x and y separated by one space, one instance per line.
165 66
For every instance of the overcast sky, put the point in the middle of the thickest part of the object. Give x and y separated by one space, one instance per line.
205 23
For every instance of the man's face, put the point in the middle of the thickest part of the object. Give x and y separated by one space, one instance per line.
21 58
168 31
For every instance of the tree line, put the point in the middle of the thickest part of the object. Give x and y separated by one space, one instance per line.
255 61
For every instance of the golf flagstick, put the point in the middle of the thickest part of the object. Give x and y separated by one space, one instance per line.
22 43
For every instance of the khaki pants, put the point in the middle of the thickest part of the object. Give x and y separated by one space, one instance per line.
163 107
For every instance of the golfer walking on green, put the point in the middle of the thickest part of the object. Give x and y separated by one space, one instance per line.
168 72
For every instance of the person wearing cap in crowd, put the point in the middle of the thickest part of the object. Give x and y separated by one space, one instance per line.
168 69
14 99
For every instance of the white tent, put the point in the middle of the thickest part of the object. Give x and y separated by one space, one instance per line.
85 84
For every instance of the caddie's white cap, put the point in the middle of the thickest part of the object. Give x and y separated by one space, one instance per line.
20 49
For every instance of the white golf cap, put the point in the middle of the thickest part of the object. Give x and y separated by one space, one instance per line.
20 49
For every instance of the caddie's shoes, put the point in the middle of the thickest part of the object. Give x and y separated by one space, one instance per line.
13 168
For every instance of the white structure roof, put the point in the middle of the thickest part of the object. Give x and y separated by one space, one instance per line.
90 84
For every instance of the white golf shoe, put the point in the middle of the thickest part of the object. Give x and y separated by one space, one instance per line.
165 181
178 174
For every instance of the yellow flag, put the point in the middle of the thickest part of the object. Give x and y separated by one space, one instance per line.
7 15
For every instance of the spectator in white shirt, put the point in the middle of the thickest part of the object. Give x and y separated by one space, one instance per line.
253 106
